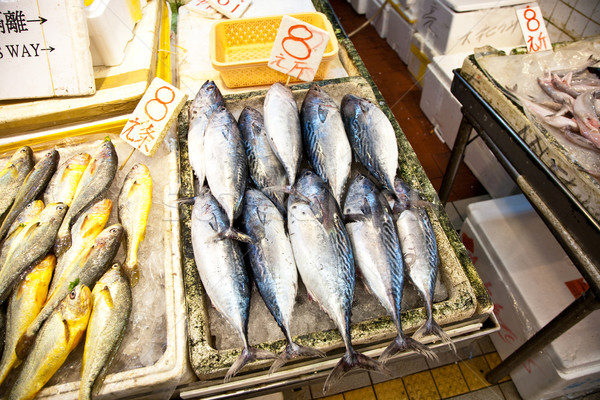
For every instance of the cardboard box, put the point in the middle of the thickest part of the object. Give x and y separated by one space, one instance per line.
462 25
531 279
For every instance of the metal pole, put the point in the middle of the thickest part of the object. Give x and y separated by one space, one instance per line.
457 155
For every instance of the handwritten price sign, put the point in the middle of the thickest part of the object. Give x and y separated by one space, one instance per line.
230 8
298 48
534 29
153 116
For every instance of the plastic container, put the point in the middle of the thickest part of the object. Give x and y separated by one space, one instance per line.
381 22
240 49
400 29
530 280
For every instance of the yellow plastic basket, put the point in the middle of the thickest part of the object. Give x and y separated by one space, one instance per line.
240 49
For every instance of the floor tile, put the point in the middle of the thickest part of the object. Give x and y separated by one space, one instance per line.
488 393
420 386
391 390
353 380
334 397
449 381
365 393
493 359
271 396
509 390
400 367
474 372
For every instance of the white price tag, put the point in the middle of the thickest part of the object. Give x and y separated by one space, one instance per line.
534 29
230 8
159 107
298 48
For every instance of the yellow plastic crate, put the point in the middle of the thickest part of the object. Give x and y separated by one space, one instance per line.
240 49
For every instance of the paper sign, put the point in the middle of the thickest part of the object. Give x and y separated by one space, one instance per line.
534 29
203 8
298 48
153 116
230 8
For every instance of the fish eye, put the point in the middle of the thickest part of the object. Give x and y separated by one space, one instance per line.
72 294
113 230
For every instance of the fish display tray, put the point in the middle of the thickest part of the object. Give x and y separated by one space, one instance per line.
240 49
152 358
213 345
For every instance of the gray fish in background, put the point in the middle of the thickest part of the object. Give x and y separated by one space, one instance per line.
587 116
282 122
274 268
325 140
378 255
226 163
12 176
419 249
87 269
30 246
96 179
207 100
372 138
63 185
220 264
111 308
325 261
265 168
34 184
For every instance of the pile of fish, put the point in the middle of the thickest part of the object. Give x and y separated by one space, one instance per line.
325 228
57 284
572 105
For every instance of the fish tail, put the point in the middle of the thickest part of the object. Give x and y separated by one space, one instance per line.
249 354
294 350
234 234
351 360
432 328
85 392
402 343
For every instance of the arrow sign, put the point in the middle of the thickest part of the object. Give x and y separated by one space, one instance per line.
50 49
41 20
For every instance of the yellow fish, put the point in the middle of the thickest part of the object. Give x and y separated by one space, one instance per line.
64 182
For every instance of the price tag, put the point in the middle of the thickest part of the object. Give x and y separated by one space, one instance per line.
230 8
153 116
298 48
203 8
534 29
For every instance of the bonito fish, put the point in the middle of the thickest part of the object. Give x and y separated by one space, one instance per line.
30 246
25 302
274 269
372 138
60 334
265 168
379 256
112 302
135 200
226 167
207 100
282 122
63 184
34 184
325 140
325 262
221 268
12 176
95 180
419 249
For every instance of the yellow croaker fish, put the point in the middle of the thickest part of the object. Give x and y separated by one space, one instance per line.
112 302
64 183
13 175
134 203
61 333
83 233
25 302
29 213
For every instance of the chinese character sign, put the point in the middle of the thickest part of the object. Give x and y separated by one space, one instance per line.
298 48
153 116
534 29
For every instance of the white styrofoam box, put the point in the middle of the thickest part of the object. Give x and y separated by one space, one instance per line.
471 5
530 280
450 31
360 6
380 22
400 29
110 25
420 54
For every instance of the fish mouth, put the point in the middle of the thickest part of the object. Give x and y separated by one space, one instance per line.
85 296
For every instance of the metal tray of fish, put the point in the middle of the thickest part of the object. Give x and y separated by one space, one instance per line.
214 346
152 357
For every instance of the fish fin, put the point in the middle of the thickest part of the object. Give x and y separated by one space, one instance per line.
294 350
105 291
349 218
24 345
234 234
276 189
67 330
133 274
402 343
351 360
432 328
248 355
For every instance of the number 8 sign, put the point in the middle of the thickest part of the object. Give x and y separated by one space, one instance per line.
298 48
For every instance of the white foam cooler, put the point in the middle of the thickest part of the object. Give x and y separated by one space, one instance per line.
530 280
